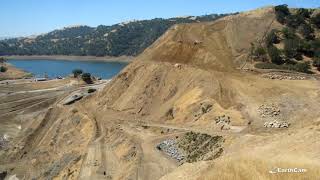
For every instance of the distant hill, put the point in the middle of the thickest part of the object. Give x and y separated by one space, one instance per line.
5 37
128 38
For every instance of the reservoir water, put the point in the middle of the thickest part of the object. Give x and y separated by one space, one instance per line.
55 68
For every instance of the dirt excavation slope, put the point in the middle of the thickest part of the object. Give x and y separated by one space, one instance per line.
189 80
219 45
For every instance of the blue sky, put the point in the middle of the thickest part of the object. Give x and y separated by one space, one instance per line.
28 17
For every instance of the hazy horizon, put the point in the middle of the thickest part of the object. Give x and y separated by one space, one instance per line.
20 18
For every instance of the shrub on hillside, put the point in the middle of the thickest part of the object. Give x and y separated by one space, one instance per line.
289 61
77 72
274 55
302 67
259 53
289 33
283 8
291 47
305 47
266 65
272 38
316 62
316 20
294 21
2 60
299 67
303 12
86 77
316 52
282 12
3 69
306 31
315 46
91 90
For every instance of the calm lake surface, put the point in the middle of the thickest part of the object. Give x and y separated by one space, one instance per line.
54 68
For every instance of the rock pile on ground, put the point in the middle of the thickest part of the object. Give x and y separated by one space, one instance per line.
169 146
271 113
3 141
268 110
200 147
223 121
192 147
276 124
283 76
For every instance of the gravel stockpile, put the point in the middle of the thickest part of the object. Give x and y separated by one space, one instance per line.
276 124
284 76
193 147
169 146
4 140
269 110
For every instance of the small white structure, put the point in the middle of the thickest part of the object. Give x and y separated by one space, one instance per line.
40 79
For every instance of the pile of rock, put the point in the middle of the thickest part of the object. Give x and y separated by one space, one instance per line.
200 146
4 140
223 121
276 124
283 76
169 146
268 110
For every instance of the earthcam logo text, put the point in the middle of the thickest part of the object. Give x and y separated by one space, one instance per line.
287 170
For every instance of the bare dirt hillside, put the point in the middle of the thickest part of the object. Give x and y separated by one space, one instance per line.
190 77
183 109
220 45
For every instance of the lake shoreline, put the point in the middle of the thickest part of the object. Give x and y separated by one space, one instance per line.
62 68
124 59
13 73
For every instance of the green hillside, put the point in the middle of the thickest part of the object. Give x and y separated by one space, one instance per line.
294 47
129 38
